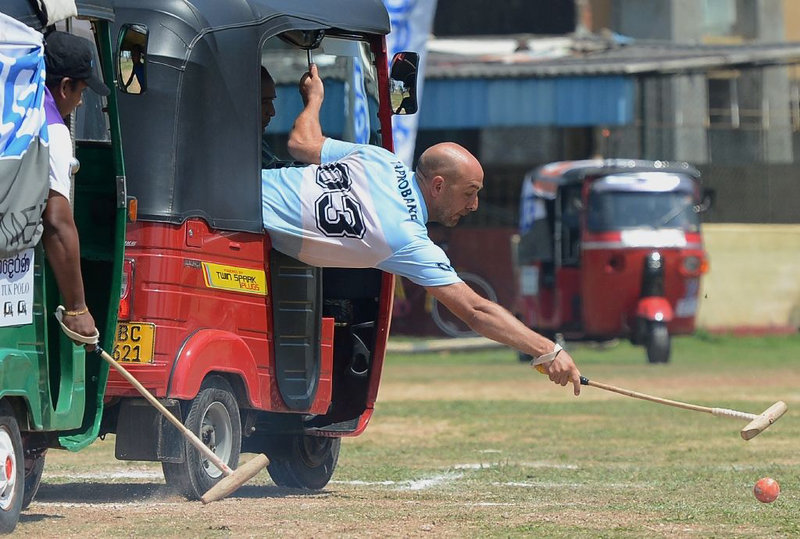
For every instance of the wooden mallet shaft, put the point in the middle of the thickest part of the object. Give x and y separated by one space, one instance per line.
757 424
234 478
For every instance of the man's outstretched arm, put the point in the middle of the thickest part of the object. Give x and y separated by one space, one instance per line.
496 323
306 138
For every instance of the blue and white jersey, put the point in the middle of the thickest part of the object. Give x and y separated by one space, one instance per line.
361 208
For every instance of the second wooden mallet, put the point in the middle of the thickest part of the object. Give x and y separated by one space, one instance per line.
757 422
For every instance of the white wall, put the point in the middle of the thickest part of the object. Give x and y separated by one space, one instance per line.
754 280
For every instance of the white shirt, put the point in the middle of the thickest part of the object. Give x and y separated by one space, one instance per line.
361 208
60 148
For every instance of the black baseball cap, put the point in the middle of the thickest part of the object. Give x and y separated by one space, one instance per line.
67 55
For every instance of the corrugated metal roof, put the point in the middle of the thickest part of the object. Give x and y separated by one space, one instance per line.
596 57
473 103
562 82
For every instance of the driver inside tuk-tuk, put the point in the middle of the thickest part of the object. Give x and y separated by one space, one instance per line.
268 95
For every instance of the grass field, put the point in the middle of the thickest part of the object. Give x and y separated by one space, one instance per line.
479 445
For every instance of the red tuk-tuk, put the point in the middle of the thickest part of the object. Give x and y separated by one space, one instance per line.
611 249
255 351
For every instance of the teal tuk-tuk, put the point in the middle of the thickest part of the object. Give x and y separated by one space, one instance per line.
51 391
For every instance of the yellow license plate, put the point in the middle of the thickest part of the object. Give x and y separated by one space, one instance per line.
134 342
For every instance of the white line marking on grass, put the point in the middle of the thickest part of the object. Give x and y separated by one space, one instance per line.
419 484
566 484
127 474
429 482
475 466
365 483
115 505
543 464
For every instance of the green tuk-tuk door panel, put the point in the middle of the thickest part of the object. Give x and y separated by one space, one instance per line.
105 178
52 384
18 378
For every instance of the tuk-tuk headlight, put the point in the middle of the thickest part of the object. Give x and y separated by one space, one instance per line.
654 261
692 265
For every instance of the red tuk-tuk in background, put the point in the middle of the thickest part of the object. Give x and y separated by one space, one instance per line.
255 351
611 249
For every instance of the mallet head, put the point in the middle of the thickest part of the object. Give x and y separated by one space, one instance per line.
239 477
767 418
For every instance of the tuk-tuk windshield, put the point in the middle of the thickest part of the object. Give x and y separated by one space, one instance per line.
350 109
615 210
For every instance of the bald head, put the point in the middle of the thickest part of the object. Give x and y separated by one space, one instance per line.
446 159
450 178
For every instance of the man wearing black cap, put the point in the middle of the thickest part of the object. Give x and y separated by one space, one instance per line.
69 66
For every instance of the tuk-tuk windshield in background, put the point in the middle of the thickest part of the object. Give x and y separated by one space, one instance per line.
350 109
654 201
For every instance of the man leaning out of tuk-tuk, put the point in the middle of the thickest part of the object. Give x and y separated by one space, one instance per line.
358 205
69 71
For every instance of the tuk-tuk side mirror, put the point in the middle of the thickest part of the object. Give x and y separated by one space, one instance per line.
403 82
706 200
131 63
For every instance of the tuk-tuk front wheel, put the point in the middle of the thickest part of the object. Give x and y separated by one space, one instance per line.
302 461
12 469
214 417
658 342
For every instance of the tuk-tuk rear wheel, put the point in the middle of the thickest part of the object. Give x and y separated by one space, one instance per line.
303 461
214 417
658 342
12 473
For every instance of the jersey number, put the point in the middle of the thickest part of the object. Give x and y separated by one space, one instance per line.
337 212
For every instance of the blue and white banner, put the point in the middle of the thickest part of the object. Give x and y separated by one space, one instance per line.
411 21
357 102
24 159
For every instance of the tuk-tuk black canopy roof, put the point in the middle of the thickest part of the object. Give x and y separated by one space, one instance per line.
565 172
192 139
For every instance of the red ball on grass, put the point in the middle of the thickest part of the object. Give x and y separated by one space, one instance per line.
766 490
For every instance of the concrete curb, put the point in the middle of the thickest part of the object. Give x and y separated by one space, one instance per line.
441 345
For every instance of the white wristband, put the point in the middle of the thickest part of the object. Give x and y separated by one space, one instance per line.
544 358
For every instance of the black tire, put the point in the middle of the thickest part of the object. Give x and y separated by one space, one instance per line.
12 470
301 461
449 323
214 417
658 342
34 467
